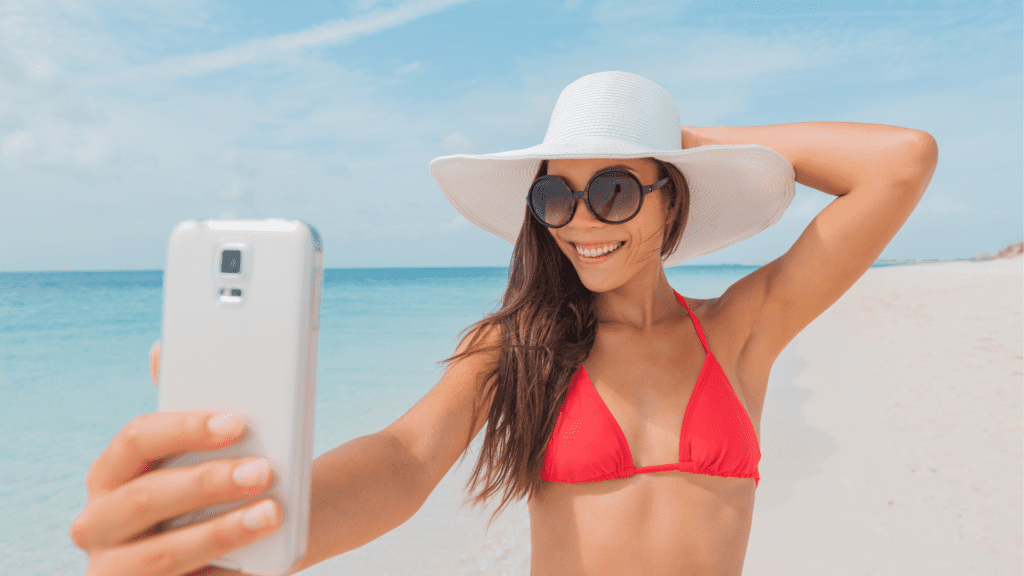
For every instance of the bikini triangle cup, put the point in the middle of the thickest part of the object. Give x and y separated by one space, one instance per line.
717 436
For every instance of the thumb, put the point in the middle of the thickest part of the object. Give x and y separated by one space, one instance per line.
154 361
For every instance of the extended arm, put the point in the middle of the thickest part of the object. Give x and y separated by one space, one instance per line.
361 490
372 484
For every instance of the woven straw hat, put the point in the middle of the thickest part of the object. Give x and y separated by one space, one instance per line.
735 191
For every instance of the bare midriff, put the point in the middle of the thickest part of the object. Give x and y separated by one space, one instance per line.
652 524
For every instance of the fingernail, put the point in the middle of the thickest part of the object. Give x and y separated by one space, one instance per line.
251 473
224 425
259 516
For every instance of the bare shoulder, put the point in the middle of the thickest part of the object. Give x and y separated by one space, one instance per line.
729 319
734 325
438 429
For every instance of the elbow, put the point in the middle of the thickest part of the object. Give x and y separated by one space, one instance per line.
919 154
408 470
925 150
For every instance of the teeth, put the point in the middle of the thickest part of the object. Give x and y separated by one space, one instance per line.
599 252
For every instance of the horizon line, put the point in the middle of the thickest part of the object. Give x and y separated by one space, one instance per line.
884 262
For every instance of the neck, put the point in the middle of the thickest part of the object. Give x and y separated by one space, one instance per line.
644 302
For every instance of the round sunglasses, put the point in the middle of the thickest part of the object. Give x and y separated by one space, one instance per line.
613 196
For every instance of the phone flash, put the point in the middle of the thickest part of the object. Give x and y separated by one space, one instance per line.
231 262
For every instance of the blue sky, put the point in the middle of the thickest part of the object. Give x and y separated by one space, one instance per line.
118 120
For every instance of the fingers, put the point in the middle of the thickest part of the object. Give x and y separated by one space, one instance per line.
142 443
115 518
118 528
154 361
189 548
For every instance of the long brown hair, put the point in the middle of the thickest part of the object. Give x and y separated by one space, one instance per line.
547 325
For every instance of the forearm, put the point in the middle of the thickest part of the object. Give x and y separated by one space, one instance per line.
835 157
361 490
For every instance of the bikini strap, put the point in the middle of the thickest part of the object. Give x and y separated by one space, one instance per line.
696 323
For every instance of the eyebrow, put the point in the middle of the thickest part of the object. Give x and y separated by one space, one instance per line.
621 167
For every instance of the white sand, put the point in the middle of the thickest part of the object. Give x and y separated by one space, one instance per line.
892 432
891 441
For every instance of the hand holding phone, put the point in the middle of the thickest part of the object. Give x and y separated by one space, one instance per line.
128 497
164 495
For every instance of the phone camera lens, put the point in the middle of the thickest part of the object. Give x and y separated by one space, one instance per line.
231 262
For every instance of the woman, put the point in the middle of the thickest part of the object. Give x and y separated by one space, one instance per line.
625 413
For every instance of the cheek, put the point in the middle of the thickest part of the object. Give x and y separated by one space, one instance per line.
658 218
564 249
664 222
663 208
646 236
650 228
552 236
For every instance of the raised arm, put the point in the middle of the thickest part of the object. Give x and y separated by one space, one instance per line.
878 173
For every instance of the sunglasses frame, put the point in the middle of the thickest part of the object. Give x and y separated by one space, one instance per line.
585 194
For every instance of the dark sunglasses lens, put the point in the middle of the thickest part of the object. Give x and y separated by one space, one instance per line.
615 197
551 201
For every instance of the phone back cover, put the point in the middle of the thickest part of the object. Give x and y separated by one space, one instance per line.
254 355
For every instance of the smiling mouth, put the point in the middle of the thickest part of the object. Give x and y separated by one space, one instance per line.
598 251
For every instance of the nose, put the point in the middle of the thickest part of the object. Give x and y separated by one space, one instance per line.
582 217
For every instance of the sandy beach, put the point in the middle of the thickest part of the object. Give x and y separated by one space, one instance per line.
891 440
892 432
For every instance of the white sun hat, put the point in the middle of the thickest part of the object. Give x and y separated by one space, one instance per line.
735 191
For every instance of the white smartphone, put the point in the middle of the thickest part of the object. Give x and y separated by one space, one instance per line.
240 333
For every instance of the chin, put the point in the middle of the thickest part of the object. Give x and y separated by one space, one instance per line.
599 281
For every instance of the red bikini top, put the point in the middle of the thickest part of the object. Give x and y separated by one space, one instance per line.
717 436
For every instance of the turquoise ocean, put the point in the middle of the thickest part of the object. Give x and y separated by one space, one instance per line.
74 369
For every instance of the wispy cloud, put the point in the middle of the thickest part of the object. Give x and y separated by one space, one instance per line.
101 126
328 34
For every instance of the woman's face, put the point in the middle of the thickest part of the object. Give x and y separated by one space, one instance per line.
639 240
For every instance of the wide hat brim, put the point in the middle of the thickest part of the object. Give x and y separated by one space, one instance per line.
735 191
